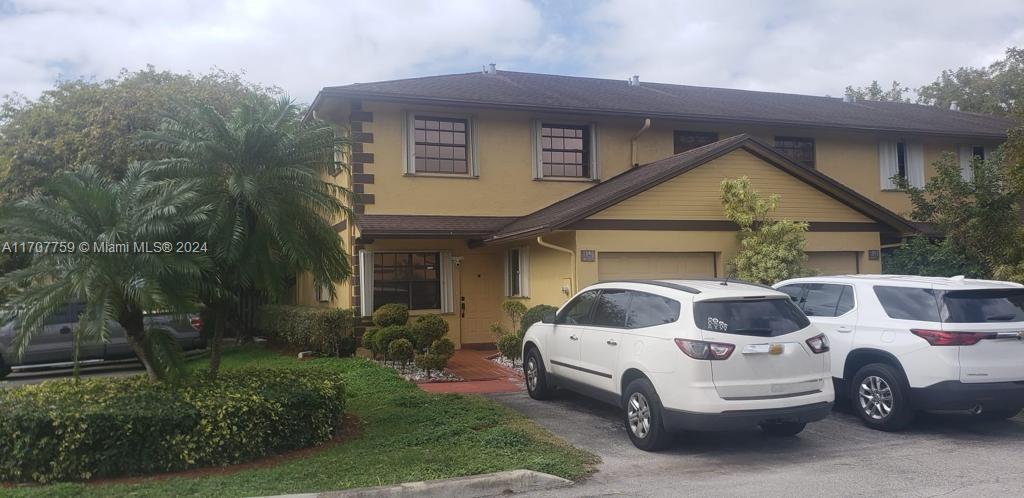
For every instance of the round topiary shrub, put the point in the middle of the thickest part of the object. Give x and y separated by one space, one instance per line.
391 315
104 427
387 335
370 340
443 347
401 350
431 362
510 346
347 346
534 315
426 329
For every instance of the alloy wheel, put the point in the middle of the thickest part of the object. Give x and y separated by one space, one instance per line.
531 373
875 397
638 412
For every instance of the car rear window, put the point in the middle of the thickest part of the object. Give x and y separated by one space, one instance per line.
984 305
755 317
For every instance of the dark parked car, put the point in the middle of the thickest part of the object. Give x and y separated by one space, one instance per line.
53 345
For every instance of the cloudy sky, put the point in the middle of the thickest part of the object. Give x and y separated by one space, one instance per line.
302 45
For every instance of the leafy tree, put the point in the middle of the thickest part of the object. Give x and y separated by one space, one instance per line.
93 122
874 91
88 207
996 89
934 258
978 218
261 171
770 249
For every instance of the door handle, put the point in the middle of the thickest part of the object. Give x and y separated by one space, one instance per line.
844 329
611 342
573 337
65 330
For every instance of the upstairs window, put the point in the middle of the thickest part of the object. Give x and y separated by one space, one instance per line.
799 149
688 140
564 151
901 160
969 154
439 145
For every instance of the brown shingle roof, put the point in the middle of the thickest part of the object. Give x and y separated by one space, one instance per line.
400 225
604 96
634 181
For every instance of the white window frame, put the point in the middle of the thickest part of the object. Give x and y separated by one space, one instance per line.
538 150
966 153
366 306
322 292
888 163
524 272
409 145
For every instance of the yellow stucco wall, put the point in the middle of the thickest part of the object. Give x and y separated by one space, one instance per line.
696 195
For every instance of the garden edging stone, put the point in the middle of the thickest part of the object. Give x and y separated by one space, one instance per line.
498 483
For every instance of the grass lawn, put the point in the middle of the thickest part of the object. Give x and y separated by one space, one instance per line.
407 435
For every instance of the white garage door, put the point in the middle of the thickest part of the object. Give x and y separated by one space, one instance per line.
655 265
833 262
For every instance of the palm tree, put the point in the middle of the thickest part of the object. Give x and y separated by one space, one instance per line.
262 170
87 208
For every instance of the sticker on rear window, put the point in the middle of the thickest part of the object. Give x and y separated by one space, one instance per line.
716 324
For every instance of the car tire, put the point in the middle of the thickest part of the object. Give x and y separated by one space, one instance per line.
783 429
880 396
642 414
1001 414
536 376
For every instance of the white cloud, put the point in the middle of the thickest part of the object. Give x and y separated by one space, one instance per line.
302 45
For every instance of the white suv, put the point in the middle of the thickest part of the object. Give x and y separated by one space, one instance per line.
902 343
685 355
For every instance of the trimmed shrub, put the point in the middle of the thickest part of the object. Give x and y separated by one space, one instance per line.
426 329
534 315
390 315
370 340
347 346
306 327
401 350
443 347
510 346
387 335
431 362
66 430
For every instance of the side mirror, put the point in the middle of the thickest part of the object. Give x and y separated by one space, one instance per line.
548 317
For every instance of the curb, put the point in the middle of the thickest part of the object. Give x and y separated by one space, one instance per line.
498 483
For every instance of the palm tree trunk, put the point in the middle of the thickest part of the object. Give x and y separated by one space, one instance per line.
217 341
135 332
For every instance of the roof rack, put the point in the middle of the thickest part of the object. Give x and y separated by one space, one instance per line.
727 281
659 283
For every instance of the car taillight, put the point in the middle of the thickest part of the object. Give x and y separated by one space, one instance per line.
945 338
701 350
197 323
818 343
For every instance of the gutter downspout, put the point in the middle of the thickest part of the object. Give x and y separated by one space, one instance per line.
632 142
572 261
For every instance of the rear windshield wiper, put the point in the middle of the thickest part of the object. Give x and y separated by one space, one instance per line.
1000 318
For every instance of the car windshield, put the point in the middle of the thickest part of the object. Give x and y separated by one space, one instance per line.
756 317
983 305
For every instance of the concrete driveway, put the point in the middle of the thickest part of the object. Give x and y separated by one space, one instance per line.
939 455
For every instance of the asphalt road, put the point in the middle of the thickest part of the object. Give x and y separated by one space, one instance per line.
941 455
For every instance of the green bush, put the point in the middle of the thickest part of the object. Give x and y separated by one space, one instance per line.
510 346
401 350
431 362
317 329
347 346
426 329
390 315
370 340
443 347
66 430
534 315
387 335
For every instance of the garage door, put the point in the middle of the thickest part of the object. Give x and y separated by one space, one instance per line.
655 265
833 262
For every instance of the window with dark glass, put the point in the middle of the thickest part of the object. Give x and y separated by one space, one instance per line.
978 152
515 282
750 317
799 149
565 151
610 308
901 160
577 312
412 279
686 140
909 303
648 310
795 292
823 300
441 145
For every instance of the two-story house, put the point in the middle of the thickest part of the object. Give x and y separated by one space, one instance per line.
476 188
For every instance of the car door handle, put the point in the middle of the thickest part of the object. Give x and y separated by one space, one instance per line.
65 330
611 342
574 338
844 329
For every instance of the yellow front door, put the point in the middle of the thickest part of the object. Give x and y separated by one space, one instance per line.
481 285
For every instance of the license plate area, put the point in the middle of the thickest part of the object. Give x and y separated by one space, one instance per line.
772 349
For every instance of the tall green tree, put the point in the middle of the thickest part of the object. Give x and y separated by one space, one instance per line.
93 122
995 89
874 91
262 171
88 207
770 249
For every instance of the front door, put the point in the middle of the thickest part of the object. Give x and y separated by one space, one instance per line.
479 302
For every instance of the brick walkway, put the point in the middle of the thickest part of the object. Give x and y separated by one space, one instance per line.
481 375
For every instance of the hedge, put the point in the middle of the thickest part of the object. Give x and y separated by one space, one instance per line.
65 430
318 329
